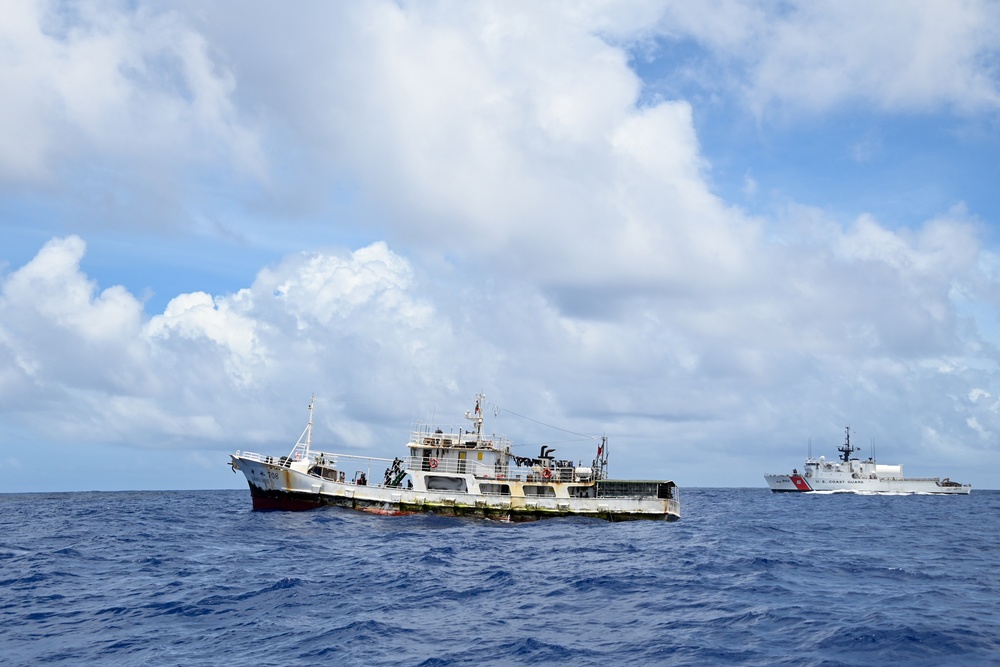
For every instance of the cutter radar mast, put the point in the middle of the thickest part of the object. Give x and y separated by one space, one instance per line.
847 450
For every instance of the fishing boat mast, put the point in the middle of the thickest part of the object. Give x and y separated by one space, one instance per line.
601 462
476 417
300 451
309 426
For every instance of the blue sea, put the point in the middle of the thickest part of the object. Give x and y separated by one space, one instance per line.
746 577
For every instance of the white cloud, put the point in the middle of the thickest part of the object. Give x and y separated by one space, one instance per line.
304 325
820 55
59 334
318 288
125 87
511 139
868 330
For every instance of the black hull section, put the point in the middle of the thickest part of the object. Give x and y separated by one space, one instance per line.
290 501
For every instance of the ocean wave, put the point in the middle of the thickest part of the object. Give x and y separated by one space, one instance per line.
745 578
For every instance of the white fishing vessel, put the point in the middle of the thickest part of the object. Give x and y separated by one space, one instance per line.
454 472
854 475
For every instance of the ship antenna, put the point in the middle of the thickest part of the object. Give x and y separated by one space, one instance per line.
309 428
301 449
477 417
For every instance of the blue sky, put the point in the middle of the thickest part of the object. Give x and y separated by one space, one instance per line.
716 232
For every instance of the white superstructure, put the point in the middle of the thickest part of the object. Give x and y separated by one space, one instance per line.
860 476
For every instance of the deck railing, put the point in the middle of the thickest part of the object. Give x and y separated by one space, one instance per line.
459 438
492 471
351 464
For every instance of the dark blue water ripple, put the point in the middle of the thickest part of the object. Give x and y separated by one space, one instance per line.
745 578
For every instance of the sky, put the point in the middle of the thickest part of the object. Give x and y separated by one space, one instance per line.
718 233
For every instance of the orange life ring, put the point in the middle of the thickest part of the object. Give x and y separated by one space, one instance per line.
547 474
434 463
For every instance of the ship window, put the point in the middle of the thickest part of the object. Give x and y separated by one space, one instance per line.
629 489
665 491
325 473
498 489
582 492
535 490
444 483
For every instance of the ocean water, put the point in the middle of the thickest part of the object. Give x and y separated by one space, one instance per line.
746 577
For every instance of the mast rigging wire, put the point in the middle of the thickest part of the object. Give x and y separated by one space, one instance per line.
582 435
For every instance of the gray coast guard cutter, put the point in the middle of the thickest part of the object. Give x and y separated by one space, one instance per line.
855 475
454 472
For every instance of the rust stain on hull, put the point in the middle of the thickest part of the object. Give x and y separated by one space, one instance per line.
273 500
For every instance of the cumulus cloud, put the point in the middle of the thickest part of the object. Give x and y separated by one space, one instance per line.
60 334
816 56
302 326
511 138
366 331
128 95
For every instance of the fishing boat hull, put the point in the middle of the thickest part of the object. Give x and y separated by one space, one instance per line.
277 486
